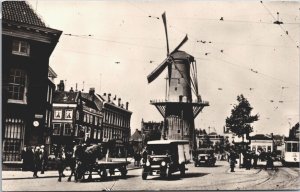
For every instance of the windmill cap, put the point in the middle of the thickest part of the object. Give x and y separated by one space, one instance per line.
182 55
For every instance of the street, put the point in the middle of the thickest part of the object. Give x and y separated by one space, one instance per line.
196 178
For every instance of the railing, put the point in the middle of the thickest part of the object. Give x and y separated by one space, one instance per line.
177 100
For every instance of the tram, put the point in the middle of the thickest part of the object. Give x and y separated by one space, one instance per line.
291 152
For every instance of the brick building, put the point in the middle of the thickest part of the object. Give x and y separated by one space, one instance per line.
26 47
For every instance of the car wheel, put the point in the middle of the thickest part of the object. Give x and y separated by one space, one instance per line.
182 170
168 171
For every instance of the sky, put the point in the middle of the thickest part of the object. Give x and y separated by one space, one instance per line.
113 45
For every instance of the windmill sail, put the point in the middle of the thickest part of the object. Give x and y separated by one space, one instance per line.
165 24
158 70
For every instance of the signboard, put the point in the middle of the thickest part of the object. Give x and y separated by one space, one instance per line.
38 116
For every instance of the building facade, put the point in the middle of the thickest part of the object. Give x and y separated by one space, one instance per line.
76 117
116 122
26 47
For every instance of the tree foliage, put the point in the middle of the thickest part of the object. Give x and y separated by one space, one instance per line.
152 135
240 119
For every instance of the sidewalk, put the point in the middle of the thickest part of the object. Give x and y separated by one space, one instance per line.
10 175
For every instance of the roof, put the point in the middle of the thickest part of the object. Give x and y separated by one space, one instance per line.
261 137
20 11
167 142
182 55
136 136
92 102
64 97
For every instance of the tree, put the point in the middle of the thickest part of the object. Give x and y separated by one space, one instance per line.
240 119
152 135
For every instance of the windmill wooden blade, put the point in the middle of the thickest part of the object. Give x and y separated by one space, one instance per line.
182 42
165 24
158 70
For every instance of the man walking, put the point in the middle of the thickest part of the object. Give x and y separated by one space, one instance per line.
232 160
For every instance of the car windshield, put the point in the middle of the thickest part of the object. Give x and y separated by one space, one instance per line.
164 149
204 151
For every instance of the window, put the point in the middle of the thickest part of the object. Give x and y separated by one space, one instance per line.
49 119
178 131
21 48
57 114
68 129
77 115
56 128
91 119
95 133
295 147
46 117
17 85
96 120
84 118
99 134
76 131
68 114
13 139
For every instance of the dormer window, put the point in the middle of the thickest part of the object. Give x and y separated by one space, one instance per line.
21 48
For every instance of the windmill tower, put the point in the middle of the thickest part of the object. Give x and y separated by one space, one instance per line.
178 109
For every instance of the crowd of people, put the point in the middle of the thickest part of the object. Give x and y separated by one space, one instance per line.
34 158
251 158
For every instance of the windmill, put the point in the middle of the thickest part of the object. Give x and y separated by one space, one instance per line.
178 109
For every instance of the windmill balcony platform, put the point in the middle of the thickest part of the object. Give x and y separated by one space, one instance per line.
157 101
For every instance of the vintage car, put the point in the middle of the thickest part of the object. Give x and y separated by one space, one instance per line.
165 157
204 156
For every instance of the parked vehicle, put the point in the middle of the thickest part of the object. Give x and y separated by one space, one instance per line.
165 157
291 152
204 156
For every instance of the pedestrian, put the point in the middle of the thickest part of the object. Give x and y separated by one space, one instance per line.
44 159
60 162
138 159
255 158
232 160
24 157
269 163
36 161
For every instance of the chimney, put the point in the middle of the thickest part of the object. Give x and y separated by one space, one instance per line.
71 90
61 86
108 97
104 94
127 105
92 91
119 102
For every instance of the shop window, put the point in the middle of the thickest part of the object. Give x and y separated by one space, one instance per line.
21 48
67 129
17 85
56 128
